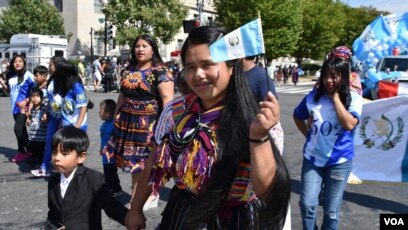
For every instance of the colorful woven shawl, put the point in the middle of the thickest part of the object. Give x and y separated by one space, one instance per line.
188 152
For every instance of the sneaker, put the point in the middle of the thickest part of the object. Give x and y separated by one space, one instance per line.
40 172
19 157
116 194
151 202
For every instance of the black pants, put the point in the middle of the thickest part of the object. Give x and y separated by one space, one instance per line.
109 85
37 148
111 177
20 131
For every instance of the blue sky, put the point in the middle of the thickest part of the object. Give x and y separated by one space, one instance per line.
393 6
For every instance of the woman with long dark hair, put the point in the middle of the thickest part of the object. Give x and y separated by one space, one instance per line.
145 88
327 117
15 78
66 106
228 171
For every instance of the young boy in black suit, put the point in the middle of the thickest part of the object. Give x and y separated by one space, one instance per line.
77 194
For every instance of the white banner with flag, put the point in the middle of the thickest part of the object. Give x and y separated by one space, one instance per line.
381 141
243 42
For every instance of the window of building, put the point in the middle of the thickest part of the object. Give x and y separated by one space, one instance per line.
59 53
58 5
98 6
23 55
7 55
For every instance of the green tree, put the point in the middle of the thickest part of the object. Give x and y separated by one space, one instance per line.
323 26
281 21
160 18
30 16
356 21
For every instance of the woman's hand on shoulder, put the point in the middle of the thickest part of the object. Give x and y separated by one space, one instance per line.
267 117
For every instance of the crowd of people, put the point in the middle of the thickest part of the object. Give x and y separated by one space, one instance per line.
227 166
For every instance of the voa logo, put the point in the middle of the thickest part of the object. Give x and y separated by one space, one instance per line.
394 221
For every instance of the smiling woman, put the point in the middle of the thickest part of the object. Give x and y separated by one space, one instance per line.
214 142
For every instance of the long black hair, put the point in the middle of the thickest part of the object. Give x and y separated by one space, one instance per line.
156 58
233 133
54 60
332 66
67 76
12 70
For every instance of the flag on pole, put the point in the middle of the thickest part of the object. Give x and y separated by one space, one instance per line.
243 42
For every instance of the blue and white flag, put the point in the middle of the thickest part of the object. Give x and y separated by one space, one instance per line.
243 42
381 141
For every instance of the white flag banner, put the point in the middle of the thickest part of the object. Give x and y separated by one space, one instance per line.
380 141
243 42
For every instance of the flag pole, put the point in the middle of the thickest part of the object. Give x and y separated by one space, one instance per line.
264 54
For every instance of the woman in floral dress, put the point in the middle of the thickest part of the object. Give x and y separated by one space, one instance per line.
145 89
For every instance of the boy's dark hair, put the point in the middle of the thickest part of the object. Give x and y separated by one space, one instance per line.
41 70
37 91
110 106
70 138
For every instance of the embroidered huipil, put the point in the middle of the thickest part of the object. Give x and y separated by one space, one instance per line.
188 148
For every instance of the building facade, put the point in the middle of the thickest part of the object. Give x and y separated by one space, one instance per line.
82 16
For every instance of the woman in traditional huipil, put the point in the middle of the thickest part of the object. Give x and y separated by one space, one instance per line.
214 142
145 88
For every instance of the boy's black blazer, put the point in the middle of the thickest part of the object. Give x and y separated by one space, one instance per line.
86 195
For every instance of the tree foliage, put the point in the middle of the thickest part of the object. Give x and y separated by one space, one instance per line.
30 16
281 21
159 18
356 21
330 23
323 26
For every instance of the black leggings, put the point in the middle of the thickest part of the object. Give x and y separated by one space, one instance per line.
21 132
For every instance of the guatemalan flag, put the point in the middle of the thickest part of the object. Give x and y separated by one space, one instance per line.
381 141
243 42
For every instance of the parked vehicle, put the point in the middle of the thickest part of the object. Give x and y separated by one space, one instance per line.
36 48
394 68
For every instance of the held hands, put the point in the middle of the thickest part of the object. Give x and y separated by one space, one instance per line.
267 117
135 220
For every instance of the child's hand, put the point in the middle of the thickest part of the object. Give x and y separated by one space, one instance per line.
22 104
44 118
28 121
267 117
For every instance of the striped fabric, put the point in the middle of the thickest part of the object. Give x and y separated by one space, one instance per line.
130 142
242 188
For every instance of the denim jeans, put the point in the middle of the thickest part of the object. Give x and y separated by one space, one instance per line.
52 127
334 179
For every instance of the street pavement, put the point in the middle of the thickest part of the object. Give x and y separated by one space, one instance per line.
23 198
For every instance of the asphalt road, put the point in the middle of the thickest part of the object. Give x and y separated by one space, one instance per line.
23 199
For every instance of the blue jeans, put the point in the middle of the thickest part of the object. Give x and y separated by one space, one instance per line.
52 127
334 179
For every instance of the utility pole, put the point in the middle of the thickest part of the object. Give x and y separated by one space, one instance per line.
106 37
200 9
92 51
